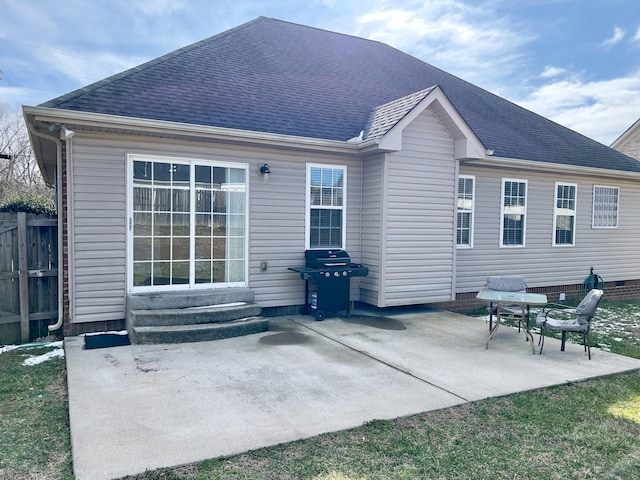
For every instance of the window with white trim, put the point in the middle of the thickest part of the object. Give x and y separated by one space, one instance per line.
564 215
188 223
464 226
326 198
605 206
513 213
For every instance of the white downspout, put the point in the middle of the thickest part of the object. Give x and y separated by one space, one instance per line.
56 140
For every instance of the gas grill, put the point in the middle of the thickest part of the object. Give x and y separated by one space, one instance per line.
330 271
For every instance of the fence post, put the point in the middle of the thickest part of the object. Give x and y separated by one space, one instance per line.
23 276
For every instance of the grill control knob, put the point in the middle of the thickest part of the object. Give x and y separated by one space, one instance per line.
327 274
344 274
336 274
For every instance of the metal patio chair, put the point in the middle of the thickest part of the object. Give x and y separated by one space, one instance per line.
507 283
576 320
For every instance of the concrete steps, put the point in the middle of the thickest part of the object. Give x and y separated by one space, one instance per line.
193 316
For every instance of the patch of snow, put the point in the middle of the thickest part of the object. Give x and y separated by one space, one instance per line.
35 360
115 332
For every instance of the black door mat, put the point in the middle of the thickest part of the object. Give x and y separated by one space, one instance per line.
105 340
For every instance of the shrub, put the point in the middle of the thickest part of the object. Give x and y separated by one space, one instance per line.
28 203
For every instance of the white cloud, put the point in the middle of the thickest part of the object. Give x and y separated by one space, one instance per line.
618 35
601 110
636 37
551 71
462 39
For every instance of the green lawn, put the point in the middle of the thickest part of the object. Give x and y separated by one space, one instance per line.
574 431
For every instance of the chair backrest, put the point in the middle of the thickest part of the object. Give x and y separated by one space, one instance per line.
587 307
507 283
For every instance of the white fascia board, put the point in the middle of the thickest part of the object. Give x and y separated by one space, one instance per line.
98 120
467 146
516 163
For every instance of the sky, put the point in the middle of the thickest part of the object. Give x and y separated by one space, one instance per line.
576 62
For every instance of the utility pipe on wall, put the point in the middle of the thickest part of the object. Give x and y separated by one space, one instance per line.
54 139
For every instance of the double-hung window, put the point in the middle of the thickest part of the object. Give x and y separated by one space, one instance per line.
464 226
513 213
605 206
564 215
326 199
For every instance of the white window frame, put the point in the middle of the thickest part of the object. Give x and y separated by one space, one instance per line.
192 162
617 207
342 207
461 209
564 212
516 210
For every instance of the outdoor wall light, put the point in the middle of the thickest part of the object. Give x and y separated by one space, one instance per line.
66 133
265 171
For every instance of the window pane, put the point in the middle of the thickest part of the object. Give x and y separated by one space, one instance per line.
162 224
142 274
180 225
203 248
142 172
141 224
605 206
514 206
180 250
513 229
465 211
565 214
142 249
564 230
203 272
161 273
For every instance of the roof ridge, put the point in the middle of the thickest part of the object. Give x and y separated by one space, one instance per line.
52 103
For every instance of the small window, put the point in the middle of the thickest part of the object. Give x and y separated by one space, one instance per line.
565 214
605 206
326 189
464 228
514 210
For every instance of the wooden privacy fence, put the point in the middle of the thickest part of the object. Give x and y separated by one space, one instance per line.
28 276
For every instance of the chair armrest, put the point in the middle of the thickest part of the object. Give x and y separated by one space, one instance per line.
555 306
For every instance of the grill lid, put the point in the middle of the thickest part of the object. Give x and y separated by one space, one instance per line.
327 259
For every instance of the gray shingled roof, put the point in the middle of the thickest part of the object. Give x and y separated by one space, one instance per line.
273 76
383 118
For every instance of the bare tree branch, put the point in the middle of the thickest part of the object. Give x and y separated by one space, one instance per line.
19 172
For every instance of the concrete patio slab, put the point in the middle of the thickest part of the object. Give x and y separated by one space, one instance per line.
140 407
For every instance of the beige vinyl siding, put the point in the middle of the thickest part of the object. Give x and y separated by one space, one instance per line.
373 202
97 227
420 212
276 210
612 252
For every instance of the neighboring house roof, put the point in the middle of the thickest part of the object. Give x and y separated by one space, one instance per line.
282 78
629 141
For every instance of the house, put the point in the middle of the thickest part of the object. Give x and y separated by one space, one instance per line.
430 181
629 142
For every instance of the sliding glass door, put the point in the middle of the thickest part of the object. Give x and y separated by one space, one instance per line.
187 223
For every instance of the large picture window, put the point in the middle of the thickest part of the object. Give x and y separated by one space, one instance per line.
605 207
513 213
564 217
326 187
464 226
188 223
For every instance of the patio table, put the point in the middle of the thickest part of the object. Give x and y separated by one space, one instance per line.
517 298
